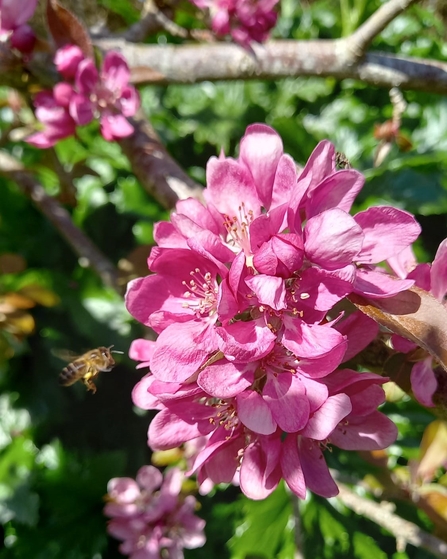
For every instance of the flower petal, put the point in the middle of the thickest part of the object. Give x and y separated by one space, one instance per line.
230 185
335 191
246 341
291 466
269 290
260 150
378 285
388 231
114 127
254 413
168 431
80 109
225 379
423 382
316 473
326 419
257 480
87 77
286 398
16 12
373 432
332 239
439 272
115 71
181 350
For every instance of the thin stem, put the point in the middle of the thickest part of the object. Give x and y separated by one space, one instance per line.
346 24
381 513
361 39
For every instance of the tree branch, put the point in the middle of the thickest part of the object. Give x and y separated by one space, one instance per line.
402 530
360 40
187 64
61 219
156 170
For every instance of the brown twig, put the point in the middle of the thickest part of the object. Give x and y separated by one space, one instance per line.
61 219
153 19
149 23
156 170
361 39
404 531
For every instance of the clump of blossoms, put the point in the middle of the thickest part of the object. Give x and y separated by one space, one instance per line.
249 350
13 27
431 278
244 20
86 95
151 516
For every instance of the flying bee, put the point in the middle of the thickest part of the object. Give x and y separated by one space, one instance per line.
88 366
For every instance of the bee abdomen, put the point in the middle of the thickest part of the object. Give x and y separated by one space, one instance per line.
70 374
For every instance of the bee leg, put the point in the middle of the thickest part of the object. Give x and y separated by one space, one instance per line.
87 380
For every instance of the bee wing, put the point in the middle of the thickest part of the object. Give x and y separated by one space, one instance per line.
65 355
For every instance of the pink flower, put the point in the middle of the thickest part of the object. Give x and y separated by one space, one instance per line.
106 96
13 17
52 111
266 421
181 303
151 517
245 20
242 295
344 416
432 278
334 239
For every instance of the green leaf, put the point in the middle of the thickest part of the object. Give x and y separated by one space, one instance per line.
265 529
122 8
366 548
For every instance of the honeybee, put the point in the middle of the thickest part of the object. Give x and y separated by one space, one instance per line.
88 366
341 161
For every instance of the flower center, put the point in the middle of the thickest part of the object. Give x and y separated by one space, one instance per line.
225 416
294 296
238 235
281 360
201 294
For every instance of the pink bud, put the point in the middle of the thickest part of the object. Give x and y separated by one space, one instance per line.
23 39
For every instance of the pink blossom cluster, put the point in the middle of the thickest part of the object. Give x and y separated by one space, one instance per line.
244 20
431 278
13 27
86 95
242 295
151 517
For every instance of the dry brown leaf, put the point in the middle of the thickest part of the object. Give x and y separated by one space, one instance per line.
66 29
413 314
